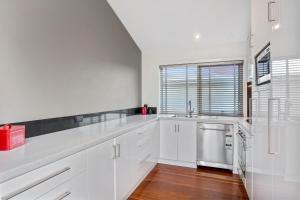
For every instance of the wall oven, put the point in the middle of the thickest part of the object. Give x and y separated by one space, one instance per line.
263 66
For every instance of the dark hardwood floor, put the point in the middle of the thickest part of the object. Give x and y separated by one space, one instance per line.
167 182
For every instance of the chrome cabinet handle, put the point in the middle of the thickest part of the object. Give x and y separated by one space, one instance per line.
36 183
114 152
250 107
178 128
251 102
118 154
64 195
214 129
270 3
270 100
175 128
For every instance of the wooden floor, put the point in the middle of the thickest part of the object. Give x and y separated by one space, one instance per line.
167 182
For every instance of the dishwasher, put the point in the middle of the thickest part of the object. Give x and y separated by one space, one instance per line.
215 145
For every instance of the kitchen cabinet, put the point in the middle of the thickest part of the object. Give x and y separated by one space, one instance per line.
125 164
100 171
187 141
262 160
276 109
110 170
249 165
284 106
178 140
74 189
38 182
135 157
168 139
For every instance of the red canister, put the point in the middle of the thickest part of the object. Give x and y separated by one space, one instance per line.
144 110
11 137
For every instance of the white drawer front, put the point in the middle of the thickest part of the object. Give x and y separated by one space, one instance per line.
36 183
74 189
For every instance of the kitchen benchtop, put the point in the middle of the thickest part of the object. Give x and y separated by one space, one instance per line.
42 150
213 119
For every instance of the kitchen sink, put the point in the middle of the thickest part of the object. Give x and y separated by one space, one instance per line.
184 116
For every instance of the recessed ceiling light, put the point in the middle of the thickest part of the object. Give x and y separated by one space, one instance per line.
276 26
197 36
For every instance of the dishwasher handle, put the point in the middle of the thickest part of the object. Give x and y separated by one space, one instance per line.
214 129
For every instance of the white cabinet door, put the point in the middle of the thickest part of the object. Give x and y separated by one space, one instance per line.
74 189
155 142
168 139
187 141
285 107
249 165
135 157
147 149
126 162
100 172
262 159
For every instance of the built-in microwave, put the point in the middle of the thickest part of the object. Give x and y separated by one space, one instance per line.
263 66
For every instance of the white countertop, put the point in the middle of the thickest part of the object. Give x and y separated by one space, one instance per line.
42 150
212 119
242 121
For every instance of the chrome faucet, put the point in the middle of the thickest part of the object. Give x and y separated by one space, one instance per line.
190 111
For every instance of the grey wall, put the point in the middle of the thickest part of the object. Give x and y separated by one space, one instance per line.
65 57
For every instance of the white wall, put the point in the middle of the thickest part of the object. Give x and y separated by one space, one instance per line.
65 57
152 60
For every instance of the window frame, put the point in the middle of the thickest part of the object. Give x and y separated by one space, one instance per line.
240 91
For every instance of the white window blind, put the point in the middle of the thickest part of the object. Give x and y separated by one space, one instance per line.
213 89
178 84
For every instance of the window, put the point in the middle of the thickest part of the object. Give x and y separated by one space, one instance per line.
178 85
213 88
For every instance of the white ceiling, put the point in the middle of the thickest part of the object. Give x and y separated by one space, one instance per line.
168 24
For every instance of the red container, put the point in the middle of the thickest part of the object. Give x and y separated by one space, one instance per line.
144 111
11 137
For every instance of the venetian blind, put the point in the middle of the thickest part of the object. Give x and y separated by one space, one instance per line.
212 88
220 89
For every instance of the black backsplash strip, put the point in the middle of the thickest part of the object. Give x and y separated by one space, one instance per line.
45 126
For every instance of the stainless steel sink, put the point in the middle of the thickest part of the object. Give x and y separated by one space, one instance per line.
184 116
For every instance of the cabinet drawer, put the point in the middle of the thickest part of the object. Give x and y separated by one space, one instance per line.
144 130
74 189
36 183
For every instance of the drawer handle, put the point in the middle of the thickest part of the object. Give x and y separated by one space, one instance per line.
64 195
36 183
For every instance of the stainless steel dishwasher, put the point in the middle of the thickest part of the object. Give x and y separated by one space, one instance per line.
215 145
